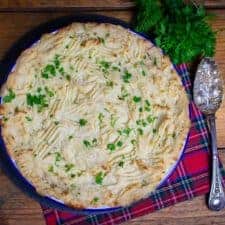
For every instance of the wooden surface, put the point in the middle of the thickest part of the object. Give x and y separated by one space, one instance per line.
17 17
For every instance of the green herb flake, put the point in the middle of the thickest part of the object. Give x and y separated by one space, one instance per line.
133 142
104 65
154 131
119 143
151 119
147 106
124 94
51 169
49 92
28 118
109 83
56 123
115 68
99 178
37 99
121 164
113 120
9 97
86 143
126 77
68 77
58 157
136 99
140 109
141 122
68 167
4 118
82 122
143 73
101 40
111 147
140 131
70 137
173 135
100 118
72 175
95 200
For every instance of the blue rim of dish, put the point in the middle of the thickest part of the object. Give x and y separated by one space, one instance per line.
7 64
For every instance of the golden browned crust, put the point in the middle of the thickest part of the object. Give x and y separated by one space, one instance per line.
113 119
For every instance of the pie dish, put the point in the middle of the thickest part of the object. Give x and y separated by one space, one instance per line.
94 115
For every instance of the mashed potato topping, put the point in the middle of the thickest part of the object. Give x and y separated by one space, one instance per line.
94 115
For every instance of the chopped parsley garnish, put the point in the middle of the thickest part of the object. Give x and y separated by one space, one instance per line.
68 167
136 99
49 92
124 93
72 175
58 157
68 77
82 122
95 200
115 68
50 70
113 120
56 122
154 131
109 83
141 122
140 109
100 118
8 98
4 118
140 131
121 164
92 143
126 76
70 137
111 147
28 118
119 143
143 73
133 142
147 106
99 178
173 135
101 40
86 143
51 169
56 61
126 131
104 65
151 119
37 99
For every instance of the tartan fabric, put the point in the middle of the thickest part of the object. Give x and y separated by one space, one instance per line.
189 179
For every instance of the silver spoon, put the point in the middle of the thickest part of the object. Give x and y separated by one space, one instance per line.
208 94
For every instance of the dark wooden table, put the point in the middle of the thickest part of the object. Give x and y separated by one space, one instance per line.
17 17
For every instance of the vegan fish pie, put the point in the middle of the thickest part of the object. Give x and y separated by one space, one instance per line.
94 115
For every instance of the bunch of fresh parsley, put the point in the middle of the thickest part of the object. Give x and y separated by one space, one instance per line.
180 29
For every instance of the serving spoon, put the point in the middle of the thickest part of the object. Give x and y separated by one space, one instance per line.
208 94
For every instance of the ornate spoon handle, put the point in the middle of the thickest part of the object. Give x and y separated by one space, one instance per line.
216 196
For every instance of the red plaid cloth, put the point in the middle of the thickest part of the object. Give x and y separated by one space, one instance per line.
189 179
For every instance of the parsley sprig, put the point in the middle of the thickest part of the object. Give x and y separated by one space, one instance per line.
180 29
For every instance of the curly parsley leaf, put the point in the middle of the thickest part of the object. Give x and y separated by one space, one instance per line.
180 29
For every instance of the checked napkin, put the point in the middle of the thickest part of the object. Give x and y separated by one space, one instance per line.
189 179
